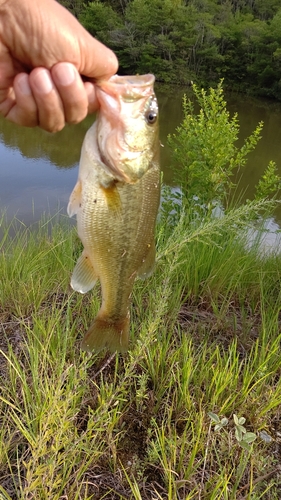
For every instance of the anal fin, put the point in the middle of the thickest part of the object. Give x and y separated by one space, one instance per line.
84 276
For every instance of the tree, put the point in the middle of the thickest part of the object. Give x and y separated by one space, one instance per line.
184 40
74 6
100 20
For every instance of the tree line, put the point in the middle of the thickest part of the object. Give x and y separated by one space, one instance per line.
192 40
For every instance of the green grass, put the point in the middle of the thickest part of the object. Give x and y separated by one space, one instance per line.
205 337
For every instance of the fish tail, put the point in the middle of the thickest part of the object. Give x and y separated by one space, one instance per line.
107 333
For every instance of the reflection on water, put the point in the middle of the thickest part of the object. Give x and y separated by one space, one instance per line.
61 149
38 170
31 186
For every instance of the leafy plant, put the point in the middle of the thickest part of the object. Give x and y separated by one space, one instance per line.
270 182
204 150
220 423
87 426
243 437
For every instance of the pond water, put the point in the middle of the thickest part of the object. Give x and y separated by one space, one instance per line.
38 170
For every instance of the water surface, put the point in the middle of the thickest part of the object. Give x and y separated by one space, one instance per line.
38 170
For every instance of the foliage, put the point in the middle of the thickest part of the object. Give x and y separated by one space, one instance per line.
205 340
74 6
204 337
101 20
200 41
270 182
205 155
243 437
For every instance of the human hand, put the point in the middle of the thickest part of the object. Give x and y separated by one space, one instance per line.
43 52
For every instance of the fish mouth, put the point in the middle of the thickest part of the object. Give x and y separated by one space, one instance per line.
115 95
129 88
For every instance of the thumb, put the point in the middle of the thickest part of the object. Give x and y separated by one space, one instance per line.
97 60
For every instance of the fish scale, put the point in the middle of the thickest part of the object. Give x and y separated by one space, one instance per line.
116 204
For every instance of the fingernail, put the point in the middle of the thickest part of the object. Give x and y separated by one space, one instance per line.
23 85
43 82
65 73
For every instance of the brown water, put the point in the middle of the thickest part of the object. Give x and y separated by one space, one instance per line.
38 170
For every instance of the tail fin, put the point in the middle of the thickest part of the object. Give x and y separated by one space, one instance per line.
106 333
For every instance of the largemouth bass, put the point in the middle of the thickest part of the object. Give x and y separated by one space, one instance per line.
116 200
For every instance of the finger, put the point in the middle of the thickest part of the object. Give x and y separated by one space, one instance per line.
71 90
93 103
49 104
24 110
96 60
7 100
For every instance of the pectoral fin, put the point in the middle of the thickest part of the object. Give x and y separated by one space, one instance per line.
112 197
75 199
147 267
84 276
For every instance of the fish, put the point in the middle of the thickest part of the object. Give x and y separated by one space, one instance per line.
116 200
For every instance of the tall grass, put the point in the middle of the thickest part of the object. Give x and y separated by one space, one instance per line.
205 337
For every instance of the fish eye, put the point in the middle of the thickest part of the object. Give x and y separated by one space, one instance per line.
151 111
151 117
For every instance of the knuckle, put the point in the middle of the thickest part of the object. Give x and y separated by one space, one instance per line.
77 117
52 128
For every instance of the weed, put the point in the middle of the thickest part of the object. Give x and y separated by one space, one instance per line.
243 437
205 337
